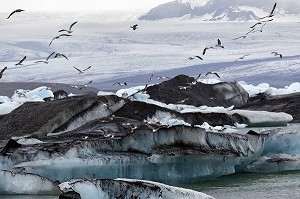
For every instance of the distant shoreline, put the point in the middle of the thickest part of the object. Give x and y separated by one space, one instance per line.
8 88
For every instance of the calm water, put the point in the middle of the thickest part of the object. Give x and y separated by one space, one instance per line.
242 186
252 186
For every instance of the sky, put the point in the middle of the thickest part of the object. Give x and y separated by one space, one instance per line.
71 5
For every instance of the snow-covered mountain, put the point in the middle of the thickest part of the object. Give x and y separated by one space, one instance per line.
223 10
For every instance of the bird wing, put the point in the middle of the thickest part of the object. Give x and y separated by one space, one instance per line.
199 57
64 56
273 9
22 60
89 82
78 69
11 14
50 56
67 35
219 42
63 30
204 51
72 25
2 71
255 24
216 74
87 68
53 39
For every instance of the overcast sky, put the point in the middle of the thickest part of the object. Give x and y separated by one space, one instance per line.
70 5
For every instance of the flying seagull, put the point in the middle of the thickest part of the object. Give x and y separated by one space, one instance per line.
271 13
120 84
242 57
82 71
191 58
134 27
21 61
57 37
276 54
82 86
213 73
70 28
15 11
2 71
219 44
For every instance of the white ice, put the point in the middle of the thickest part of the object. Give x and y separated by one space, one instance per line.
106 189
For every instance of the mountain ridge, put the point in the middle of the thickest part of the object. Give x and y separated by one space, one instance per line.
222 10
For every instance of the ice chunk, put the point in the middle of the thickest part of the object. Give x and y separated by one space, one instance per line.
127 189
25 183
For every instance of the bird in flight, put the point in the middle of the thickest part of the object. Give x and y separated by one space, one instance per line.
21 61
120 84
134 27
242 57
15 11
213 73
219 44
70 28
271 13
276 54
82 71
191 58
82 86
57 37
2 71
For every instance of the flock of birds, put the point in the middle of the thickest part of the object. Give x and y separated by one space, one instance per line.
68 33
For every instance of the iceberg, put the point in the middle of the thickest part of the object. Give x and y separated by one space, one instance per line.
17 182
127 189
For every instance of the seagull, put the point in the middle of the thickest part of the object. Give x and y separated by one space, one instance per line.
60 55
21 61
82 71
134 27
57 37
276 54
219 44
120 83
15 11
271 13
70 28
162 77
242 57
82 86
2 71
191 58
213 73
